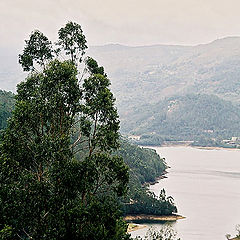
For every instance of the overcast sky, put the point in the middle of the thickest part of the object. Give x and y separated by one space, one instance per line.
129 22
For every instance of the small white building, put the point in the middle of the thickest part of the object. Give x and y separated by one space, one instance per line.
134 137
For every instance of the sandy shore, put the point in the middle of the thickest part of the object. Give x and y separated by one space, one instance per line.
153 217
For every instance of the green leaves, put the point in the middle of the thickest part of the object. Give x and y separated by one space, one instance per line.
7 102
38 49
92 66
72 40
98 108
52 187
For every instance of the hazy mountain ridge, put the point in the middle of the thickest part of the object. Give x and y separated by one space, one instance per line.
147 76
185 118
144 79
168 70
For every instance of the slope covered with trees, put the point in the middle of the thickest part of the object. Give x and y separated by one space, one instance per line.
45 192
205 119
145 165
152 76
61 177
6 106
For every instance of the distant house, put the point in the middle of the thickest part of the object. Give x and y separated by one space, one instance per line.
234 139
208 131
134 137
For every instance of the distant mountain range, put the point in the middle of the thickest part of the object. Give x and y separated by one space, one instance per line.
154 83
176 92
164 71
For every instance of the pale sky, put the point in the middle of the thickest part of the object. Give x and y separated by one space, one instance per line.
128 22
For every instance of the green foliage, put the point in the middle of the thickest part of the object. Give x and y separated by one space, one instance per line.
7 102
72 41
142 201
6 233
93 67
61 177
145 166
54 185
99 111
38 49
201 118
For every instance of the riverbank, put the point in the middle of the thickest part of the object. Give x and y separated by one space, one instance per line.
157 179
143 217
215 148
192 146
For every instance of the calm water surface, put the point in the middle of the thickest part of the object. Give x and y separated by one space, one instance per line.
206 187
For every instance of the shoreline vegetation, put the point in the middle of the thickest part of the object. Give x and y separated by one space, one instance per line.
157 179
144 218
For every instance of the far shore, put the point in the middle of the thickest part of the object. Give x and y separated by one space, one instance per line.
143 217
187 145
215 148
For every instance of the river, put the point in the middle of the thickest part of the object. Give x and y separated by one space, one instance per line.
206 187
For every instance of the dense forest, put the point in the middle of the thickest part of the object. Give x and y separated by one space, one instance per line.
63 175
145 165
204 119
6 106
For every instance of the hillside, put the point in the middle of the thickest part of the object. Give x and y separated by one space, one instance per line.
7 102
145 165
189 118
152 73
146 79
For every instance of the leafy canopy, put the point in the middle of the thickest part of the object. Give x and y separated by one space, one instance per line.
59 179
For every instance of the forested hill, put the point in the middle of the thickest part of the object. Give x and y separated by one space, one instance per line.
151 73
150 76
6 105
148 80
145 165
190 118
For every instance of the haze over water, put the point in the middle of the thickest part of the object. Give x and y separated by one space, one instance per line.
206 187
